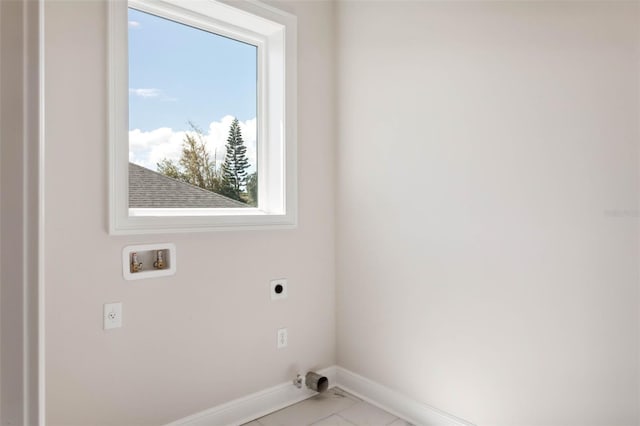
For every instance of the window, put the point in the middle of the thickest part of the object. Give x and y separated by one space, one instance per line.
202 116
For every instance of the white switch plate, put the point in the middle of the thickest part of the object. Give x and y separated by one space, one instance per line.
283 338
112 315
281 286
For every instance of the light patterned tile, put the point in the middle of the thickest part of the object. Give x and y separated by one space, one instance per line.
311 410
345 393
401 422
334 420
364 414
253 423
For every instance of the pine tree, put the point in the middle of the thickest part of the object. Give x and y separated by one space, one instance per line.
196 167
234 168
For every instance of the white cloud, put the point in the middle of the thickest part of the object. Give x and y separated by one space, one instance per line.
151 93
149 148
146 93
134 24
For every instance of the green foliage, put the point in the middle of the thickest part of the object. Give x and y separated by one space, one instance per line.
234 168
252 189
169 168
196 167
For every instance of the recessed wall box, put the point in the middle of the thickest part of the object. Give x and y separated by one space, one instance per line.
148 261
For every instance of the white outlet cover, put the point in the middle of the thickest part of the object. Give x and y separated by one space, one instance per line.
112 315
283 338
284 293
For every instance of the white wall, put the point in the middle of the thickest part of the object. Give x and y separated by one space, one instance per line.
487 234
207 335
487 225
19 178
11 274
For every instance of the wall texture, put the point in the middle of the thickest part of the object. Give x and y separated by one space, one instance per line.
206 335
487 225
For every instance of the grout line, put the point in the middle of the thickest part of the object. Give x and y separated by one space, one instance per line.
346 419
341 393
395 420
322 419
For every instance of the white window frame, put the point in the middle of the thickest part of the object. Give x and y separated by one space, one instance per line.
274 33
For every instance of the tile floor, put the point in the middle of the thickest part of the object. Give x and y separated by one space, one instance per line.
335 407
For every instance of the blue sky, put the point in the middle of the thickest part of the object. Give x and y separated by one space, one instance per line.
179 74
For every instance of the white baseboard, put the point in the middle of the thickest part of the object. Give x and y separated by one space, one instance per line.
250 407
394 402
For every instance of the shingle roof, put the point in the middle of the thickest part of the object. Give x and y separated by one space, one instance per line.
149 189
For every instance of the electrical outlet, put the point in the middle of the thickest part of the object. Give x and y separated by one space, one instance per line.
279 289
283 338
112 315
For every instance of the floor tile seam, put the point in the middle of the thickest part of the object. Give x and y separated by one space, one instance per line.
355 402
331 415
336 413
346 420
350 407
395 420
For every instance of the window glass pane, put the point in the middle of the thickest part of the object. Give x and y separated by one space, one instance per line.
192 117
